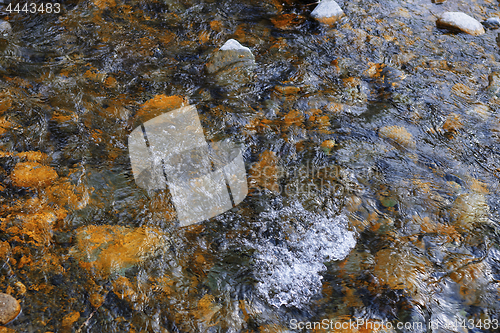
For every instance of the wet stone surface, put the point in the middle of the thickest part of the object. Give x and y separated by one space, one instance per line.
370 143
9 308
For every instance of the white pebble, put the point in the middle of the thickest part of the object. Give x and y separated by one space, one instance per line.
233 44
5 27
461 21
327 11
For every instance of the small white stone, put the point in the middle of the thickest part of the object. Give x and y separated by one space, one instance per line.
461 21
327 9
5 27
233 44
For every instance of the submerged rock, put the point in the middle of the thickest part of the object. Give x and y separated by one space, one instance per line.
397 134
460 21
9 308
5 27
494 84
233 63
327 146
32 174
327 12
109 249
492 23
467 210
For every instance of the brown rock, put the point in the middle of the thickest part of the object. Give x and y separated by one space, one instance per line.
113 249
452 123
69 320
287 21
157 106
9 308
4 250
32 174
397 134
264 174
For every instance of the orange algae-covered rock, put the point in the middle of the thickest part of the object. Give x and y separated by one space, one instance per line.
113 249
207 308
400 269
70 319
34 156
4 125
4 250
327 146
32 174
398 134
264 174
453 123
103 4
287 21
37 227
159 105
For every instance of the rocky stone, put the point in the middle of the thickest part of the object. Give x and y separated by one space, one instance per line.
467 210
69 320
492 23
327 12
157 106
32 174
264 173
391 77
453 123
327 146
461 22
5 28
232 64
494 84
397 134
107 249
9 308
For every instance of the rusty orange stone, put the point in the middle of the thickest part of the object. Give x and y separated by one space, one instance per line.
398 134
159 105
287 90
287 21
452 123
264 174
32 174
103 4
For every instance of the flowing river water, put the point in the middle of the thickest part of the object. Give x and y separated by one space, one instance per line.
371 147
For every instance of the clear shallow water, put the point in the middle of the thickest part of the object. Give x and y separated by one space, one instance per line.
397 222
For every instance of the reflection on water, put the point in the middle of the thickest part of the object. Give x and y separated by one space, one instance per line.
371 149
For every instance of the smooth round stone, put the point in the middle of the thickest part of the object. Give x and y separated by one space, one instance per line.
232 64
233 44
327 12
9 308
492 23
5 27
460 21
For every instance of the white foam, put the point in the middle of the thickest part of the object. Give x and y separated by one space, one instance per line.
233 44
289 272
326 9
